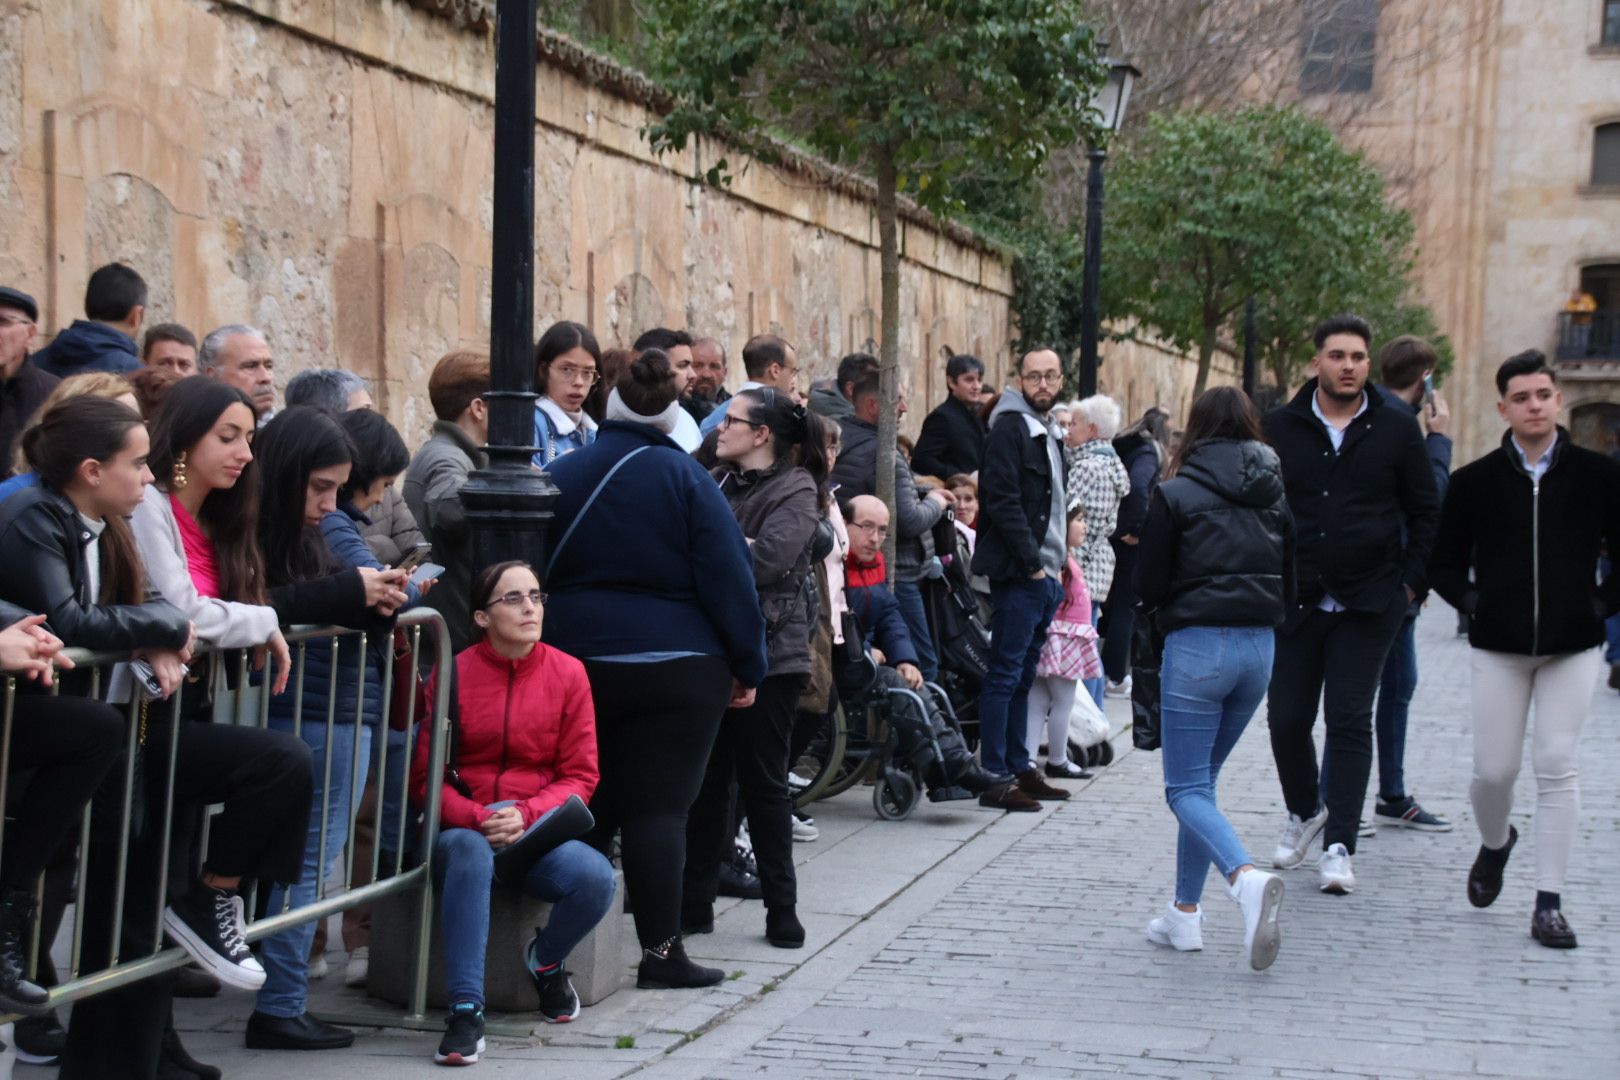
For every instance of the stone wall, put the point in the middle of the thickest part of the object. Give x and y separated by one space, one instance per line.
321 168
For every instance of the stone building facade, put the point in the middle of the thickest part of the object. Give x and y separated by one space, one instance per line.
322 169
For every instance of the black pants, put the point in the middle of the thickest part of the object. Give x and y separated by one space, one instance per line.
67 746
1335 658
752 746
263 778
655 726
913 730
1121 616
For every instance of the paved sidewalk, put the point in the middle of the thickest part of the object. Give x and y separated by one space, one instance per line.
965 943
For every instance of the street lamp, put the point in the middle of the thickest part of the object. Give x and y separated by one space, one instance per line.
1108 114
508 505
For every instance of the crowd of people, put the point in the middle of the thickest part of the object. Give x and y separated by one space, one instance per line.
714 559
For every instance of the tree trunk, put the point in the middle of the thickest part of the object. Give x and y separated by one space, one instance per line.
1206 353
889 349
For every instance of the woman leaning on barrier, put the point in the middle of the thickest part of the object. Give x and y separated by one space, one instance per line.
304 459
523 763
68 554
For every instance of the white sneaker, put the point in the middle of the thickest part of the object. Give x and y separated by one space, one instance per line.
318 968
1333 871
1258 895
1296 839
805 831
1121 689
1183 931
359 966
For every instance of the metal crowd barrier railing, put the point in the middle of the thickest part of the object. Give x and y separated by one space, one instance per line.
249 706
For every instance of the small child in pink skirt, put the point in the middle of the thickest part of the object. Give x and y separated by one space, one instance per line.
1068 655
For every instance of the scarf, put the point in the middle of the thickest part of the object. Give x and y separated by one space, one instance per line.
665 421
200 562
859 575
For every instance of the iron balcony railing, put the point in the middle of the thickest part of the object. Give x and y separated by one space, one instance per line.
1589 335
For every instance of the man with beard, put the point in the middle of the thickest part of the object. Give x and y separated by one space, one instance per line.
708 389
1366 509
1021 548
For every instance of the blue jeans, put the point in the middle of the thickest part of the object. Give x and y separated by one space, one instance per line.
1395 692
1023 609
1211 681
1095 687
911 609
285 956
575 877
1611 625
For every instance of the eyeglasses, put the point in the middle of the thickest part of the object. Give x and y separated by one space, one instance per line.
879 531
1051 378
570 373
516 598
727 420
15 320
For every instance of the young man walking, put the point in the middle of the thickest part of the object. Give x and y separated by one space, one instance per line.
1529 519
1362 491
1021 547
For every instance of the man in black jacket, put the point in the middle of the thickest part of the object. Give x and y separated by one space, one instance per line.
1362 491
952 437
1021 548
23 386
1529 519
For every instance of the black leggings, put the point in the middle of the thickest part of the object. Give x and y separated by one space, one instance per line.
67 745
263 778
655 726
753 747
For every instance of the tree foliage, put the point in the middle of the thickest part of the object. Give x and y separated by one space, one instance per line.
1209 208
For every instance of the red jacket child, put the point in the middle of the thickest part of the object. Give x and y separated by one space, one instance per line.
527 733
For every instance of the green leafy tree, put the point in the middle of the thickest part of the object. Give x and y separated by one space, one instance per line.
928 97
1210 208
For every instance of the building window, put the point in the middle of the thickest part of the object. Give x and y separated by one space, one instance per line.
1606 156
1611 22
1340 44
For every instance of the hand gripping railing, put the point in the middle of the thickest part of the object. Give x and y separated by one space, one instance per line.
248 705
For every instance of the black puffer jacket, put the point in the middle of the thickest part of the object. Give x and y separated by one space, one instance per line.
44 570
777 510
1217 548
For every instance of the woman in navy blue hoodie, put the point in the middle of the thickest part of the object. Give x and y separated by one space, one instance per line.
651 586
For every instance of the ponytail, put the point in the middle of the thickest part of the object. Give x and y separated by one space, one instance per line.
796 433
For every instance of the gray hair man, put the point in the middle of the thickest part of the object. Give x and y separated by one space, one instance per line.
239 355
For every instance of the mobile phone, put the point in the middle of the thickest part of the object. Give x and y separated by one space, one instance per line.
414 557
1428 389
426 572
143 673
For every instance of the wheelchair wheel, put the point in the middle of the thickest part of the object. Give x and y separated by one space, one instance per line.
894 796
831 746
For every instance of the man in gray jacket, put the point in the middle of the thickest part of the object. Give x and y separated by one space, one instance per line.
915 514
434 480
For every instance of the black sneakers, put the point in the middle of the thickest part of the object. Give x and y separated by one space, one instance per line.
1405 813
463 1035
17 994
40 1039
558 1002
208 924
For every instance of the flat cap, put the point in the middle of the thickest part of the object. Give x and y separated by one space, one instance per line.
16 298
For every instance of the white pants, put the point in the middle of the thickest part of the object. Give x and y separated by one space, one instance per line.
1051 702
1504 685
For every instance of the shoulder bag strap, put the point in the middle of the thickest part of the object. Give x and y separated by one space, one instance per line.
585 509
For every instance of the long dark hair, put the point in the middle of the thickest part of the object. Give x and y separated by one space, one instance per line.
294 444
378 450
229 516
796 433
1222 412
71 432
559 338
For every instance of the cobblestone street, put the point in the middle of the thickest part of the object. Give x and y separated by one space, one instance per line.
967 944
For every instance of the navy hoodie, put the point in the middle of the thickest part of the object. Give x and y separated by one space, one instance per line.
88 346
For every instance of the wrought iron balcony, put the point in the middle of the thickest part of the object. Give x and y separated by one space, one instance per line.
1589 335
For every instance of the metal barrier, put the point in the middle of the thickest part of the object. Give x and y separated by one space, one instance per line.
248 705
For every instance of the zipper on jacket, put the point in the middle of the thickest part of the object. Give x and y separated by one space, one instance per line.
1535 566
506 730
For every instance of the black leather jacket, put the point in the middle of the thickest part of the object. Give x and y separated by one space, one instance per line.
1217 548
42 568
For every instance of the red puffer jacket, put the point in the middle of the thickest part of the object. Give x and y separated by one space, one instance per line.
528 732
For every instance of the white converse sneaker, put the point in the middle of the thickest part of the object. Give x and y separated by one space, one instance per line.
1258 895
1183 931
1333 871
1296 839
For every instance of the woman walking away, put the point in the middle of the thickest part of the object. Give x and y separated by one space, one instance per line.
525 742
1068 656
1216 566
652 587
773 472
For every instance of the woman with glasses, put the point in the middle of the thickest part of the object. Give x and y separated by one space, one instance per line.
525 740
567 363
773 471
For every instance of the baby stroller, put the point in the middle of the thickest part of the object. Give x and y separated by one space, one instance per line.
960 629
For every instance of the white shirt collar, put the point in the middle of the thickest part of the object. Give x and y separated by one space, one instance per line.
1538 467
1317 409
564 423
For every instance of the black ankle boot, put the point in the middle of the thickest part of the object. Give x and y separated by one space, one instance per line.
667 968
175 1063
783 928
17 994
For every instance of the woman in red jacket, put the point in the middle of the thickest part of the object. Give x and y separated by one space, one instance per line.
525 741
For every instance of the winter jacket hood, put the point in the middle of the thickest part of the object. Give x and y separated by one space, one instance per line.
828 401
88 346
1246 473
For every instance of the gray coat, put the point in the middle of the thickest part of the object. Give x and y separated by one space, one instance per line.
393 530
915 516
777 510
432 488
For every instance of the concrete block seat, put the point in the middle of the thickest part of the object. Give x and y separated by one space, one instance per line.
597 962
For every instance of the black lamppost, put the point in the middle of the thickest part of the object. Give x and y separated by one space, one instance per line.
1108 108
508 505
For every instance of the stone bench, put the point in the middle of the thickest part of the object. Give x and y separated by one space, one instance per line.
597 962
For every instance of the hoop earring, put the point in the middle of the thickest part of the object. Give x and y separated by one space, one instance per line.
177 475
